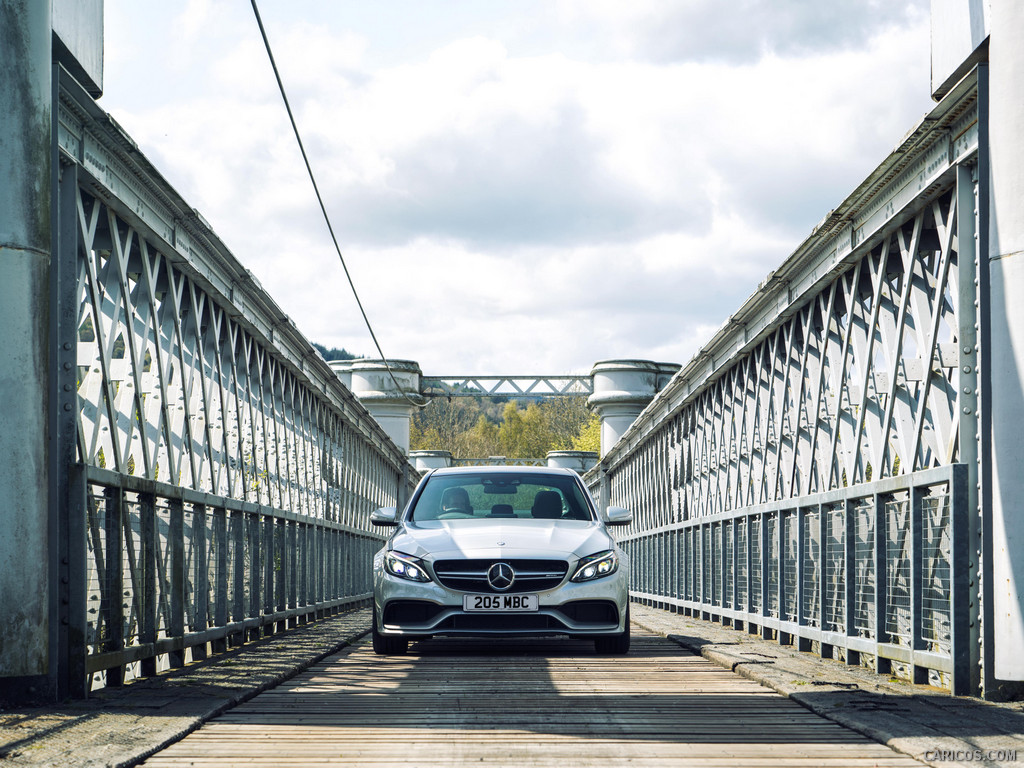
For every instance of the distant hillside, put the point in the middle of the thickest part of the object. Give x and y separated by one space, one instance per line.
334 353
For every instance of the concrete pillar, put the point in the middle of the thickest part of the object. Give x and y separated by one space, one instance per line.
1006 322
25 247
622 389
581 461
390 404
344 370
424 460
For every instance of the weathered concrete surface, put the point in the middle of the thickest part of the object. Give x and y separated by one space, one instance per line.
1006 321
914 719
123 727
25 182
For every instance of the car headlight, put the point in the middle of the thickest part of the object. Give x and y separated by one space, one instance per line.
405 567
596 566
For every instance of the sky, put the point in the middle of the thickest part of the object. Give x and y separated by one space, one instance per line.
519 187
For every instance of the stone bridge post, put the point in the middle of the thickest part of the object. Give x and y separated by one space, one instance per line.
390 403
25 251
1006 323
622 389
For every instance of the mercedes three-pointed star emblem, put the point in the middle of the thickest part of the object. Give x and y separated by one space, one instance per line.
500 576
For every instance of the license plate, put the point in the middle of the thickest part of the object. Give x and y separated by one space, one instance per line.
501 603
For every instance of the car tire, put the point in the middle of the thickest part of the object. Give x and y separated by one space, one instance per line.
385 645
614 645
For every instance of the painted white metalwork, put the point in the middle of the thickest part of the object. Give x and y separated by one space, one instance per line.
228 475
853 363
496 386
498 461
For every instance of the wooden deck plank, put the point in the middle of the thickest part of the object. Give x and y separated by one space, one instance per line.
533 704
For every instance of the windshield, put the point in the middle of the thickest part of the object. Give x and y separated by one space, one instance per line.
527 496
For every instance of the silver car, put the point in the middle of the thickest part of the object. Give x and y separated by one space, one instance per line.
507 551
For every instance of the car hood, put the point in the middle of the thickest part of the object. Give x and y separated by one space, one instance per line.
448 539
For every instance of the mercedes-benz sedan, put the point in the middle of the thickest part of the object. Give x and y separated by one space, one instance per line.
501 551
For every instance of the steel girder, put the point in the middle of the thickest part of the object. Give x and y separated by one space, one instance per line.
224 475
507 386
851 374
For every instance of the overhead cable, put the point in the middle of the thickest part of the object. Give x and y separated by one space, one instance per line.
323 208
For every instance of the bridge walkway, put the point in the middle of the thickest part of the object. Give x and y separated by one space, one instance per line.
523 703
121 727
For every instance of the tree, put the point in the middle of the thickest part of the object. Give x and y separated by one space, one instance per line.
334 353
525 434
589 436
479 427
482 440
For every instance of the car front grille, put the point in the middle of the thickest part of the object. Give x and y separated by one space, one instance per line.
598 612
471 575
404 612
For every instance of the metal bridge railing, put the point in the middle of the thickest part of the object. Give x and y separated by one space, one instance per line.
218 477
870 574
813 470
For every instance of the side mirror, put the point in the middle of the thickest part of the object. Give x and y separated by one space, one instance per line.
618 516
384 516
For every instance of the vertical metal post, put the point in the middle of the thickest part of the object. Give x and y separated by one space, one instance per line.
28 599
221 578
332 563
113 605
150 589
176 577
881 565
780 573
269 579
252 526
961 683
986 353
749 555
604 492
802 642
970 377
823 576
303 566
200 579
726 562
735 565
68 495
920 674
702 584
280 570
238 578
292 555
852 579
321 569
764 565
677 568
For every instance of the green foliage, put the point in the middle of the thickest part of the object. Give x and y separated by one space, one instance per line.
589 436
472 427
334 353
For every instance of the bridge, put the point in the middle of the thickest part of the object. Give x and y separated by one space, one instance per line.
836 471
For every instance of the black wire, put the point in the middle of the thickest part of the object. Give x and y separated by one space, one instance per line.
323 208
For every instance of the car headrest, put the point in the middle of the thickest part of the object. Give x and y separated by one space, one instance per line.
547 505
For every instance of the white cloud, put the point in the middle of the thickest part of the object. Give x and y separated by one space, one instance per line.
509 207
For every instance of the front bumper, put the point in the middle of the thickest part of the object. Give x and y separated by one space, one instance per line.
411 609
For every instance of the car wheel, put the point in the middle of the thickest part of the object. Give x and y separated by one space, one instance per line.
615 645
385 645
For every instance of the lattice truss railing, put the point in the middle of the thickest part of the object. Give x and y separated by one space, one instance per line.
173 388
869 570
859 383
810 471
